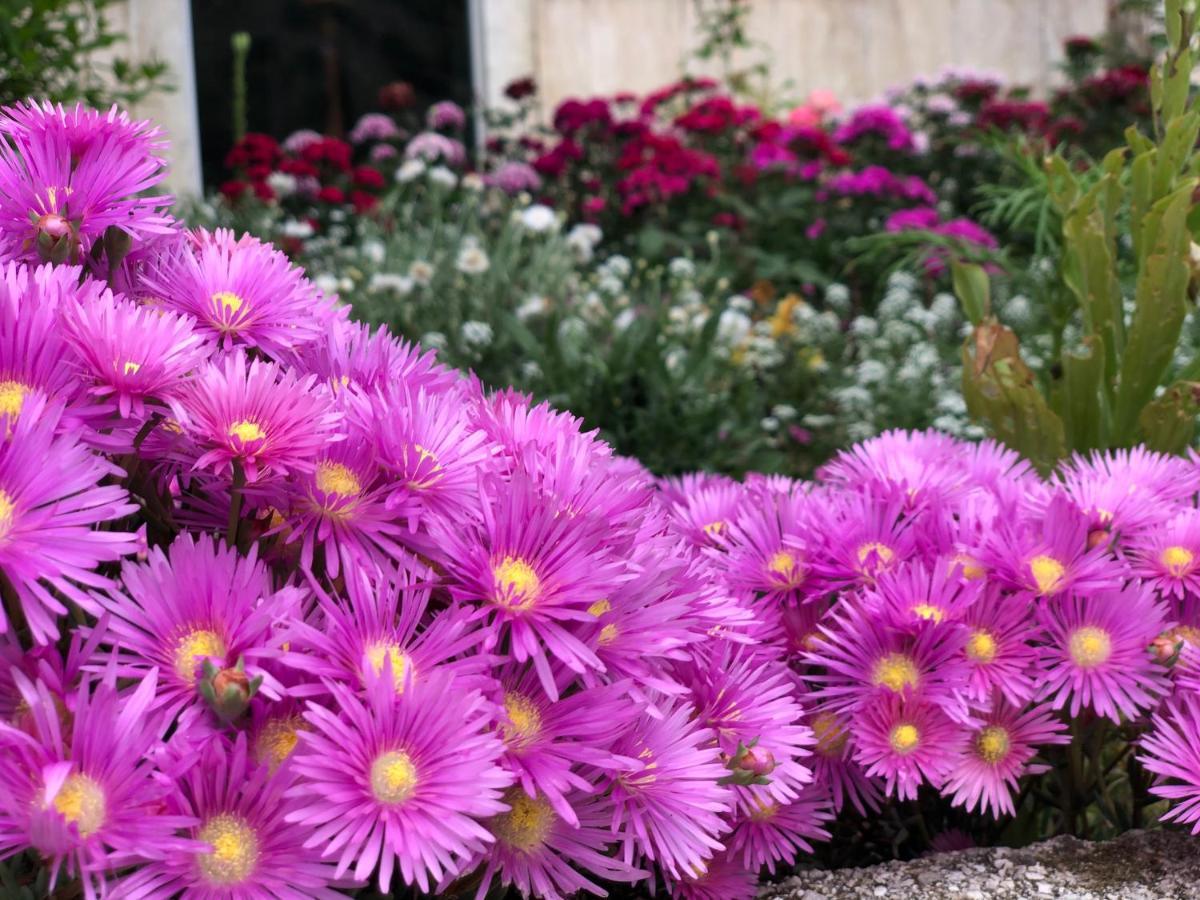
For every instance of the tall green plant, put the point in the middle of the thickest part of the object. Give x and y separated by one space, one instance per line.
1131 216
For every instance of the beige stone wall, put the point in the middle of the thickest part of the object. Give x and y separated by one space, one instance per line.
857 48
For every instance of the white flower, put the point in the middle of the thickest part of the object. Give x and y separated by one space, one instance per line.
373 251
783 411
618 266
382 282
476 334
434 339
585 233
740 303
533 305
283 184
472 260
674 359
539 218
681 267
572 331
472 181
871 371
609 284
440 175
530 370
733 327
421 272
769 423
327 283
294 228
837 297
410 171
624 320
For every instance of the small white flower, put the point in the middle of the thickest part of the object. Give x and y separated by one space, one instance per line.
421 272
539 218
609 284
327 283
533 305
472 260
385 282
373 251
681 267
770 423
741 303
283 184
472 181
618 266
585 233
476 334
530 370
871 371
442 176
434 339
733 327
411 170
624 319
783 411
294 228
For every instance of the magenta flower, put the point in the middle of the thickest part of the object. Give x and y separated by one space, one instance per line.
997 753
669 807
198 601
766 832
1172 752
242 846
349 355
1000 651
906 743
67 177
399 782
1098 652
834 768
241 292
50 498
1168 557
256 416
89 800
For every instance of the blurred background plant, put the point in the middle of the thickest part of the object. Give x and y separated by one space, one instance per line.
62 50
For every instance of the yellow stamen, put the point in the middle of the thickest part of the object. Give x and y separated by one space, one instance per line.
234 850
377 653
81 802
517 585
831 734
338 480
992 744
764 810
896 672
227 303
526 825
881 555
425 476
1090 646
608 634
7 508
970 568
246 431
12 397
193 644
714 529
524 719
904 738
928 612
393 777
1047 573
277 740
130 367
785 565
599 608
1178 560
981 647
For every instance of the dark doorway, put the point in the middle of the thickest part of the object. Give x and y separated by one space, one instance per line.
320 63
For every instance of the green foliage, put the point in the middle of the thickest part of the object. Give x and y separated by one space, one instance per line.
1124 258
47 50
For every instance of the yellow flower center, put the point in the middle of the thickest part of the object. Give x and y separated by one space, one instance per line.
227 302
427 470
336 479
785 565
7 508
764 810
992 744
198 643
378 652
12 397
896 672
904 738
831 734
81 801
277 740
246 431
608 634
599 608
874 555
524 718
393 777
981 647
526 824
971 568
928 612
234 850
1178 560
129 368
517 585
714 529
1047 573
1090 646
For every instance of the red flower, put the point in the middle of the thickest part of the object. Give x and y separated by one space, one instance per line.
369 178
331 194
328 150
574 115
263 191
298 167
520 89
233 188
363 201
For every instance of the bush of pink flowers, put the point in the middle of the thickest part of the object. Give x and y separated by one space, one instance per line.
291 610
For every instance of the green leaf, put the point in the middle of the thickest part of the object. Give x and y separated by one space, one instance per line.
1168 424
1084 400
973 290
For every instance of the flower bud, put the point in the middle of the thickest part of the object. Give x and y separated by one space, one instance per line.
228 691
55 238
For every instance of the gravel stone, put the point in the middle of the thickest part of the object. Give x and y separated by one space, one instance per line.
1140 865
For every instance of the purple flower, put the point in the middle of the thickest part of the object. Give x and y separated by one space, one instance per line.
374 127
445 114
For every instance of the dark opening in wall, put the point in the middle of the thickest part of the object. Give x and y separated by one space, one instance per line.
320 63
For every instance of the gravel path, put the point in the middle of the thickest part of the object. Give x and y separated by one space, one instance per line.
1140 865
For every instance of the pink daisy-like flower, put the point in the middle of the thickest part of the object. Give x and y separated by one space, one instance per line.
50 497
864 536
399 782
350 355
706 515
767 552
1000 651
834 767
719 878
670 807
997 753
766 832
1171 751
924 466
915 593
90 800
1129 489
906 743
255 415
245 849
533 572
241 292
1097 653
1168 557
542 855
66 177
130 353
1051 556
199 601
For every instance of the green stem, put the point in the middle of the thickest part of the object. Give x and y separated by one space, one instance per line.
235 503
